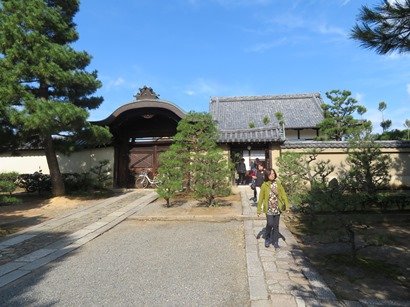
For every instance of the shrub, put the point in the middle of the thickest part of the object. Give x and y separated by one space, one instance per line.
10 200
390 200
7 184
101 174
75 182
170 174
210 176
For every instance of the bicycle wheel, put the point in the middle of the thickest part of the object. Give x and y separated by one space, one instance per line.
145 183
155 182
140 182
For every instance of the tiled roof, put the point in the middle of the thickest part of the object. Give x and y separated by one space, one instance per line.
340 144
300 111
264 135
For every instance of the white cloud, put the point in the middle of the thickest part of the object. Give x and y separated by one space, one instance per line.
113 83
118 82
230 3
266 46
345 2
201 87
289 21
325 29
190 92
408 89
359 97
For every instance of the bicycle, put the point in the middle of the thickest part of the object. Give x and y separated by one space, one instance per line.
143 181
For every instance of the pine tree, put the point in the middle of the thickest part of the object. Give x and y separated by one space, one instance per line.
368 166
407 126
44 85
196 133
211 176
386 28
339 122
170 174
196 160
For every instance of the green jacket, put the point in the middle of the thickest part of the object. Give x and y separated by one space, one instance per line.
264 197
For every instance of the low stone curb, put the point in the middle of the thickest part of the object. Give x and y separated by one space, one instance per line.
196 218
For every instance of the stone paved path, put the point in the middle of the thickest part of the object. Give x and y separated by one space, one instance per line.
27 250
285 278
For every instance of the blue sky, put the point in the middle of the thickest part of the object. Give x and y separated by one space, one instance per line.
191 50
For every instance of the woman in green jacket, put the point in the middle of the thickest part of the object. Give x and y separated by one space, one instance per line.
273 199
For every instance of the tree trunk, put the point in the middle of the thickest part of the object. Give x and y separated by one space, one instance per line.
352 242
57 182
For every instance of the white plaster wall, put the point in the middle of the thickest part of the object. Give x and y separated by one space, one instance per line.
306 134
23 162
27 162
399 171
82 161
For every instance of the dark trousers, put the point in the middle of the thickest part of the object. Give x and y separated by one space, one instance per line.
241 178
272 223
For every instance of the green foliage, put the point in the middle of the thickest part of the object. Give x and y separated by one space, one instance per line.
386 124
98 178
211 178
291 172
101 174
45 89
192 158
78 182
407 126
170 173
196 133
266 120
8 176
10 200
368 166
385 27
7 187
251 125
7 184
394 134
298 169
339 122
279 117
8 135
328 197
391 200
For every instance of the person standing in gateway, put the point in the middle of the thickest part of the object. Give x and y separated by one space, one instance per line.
258 180
241 170
274 201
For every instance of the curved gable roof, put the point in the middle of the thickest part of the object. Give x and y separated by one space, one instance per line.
140 105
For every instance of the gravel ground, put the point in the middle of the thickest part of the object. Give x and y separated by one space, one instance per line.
144 264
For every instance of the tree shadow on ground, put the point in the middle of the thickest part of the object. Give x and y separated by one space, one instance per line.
382 245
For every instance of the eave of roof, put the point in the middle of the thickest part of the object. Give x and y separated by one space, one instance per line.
339 144
141 104
262 135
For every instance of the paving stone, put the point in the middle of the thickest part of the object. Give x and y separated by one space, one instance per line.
276 276
283 300
276 289
257 288
269 266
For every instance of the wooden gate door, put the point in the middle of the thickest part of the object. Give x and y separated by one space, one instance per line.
144 159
